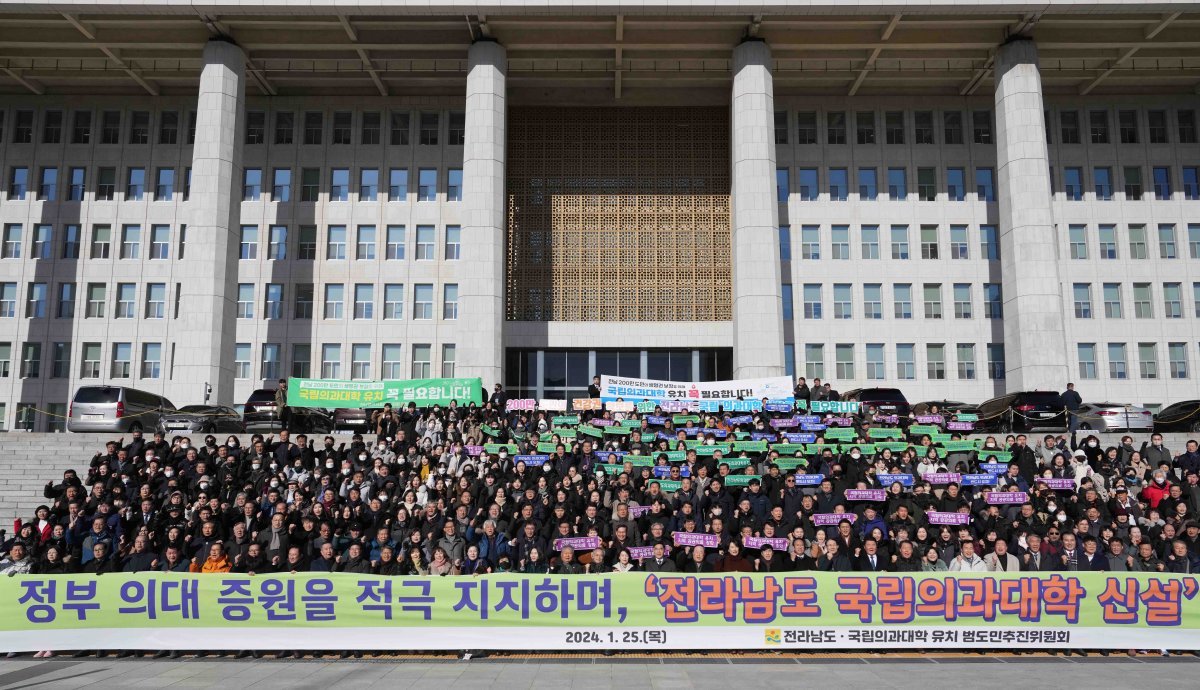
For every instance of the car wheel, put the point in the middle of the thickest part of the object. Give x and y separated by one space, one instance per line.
1085 427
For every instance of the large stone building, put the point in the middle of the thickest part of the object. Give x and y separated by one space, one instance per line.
955 198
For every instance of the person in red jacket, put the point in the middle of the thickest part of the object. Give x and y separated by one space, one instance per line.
1156 490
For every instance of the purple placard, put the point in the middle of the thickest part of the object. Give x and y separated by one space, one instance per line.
656 420
602 422
1063 484
886 419
809 418
1004 498
741 419
779 407
762 436
839 421
936 419
786 423
809 479
577 543
811 427
866 495
717 433
801 438
664 471
780 543
641 551
710 541
936 517
960 426
638 511
531 460
820 519
689 430
981 479
474 451
942 477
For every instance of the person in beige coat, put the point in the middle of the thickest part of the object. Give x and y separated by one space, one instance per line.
1000 560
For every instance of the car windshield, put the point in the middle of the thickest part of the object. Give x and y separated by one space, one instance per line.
262 395
96 395
1046 398
195 408
883 394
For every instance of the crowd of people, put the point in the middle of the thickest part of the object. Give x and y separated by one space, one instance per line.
417 496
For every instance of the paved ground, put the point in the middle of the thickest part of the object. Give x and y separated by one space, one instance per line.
710 672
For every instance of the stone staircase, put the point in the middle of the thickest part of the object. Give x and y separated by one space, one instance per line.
28 461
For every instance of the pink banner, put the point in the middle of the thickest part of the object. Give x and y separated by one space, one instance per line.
821 519
942 477
638 511
521 404
866 495
1063 484
960 426
779 543
474 451
1002 498
696 539
940 518
577 543
641 552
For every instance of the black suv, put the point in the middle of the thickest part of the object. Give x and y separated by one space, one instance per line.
261 414
885 400
1024 411
1182 416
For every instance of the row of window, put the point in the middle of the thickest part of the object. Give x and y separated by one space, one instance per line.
1118 360
1111 295
137 187
896 127
123 301
960 242
812 297
107 127
121 361
904 361
954 185
1107 244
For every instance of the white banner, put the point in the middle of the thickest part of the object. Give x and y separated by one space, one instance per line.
637 390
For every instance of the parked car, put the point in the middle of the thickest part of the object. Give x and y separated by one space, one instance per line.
1181 416
353 418
1023 411
261 413
203 419
885 400
1114 417
946 407
116 409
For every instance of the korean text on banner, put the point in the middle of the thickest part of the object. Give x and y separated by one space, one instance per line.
327 393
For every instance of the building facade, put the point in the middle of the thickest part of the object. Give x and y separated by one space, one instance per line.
956 201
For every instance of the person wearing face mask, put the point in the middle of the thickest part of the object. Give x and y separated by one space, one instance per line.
1155 452
382 451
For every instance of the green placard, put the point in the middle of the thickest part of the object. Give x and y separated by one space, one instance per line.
547 447
741 435
489 431
787 448
741 479
940 438
685 418
791 463
638 460
923 430
967 417
616 431
735 463
564 432
995 455
705 451
894 446
672 455
649 437
885 433
519 435
329 393
631 423
589 430
841 434
959 446
866 448
750 446
571 419
668 485
497 447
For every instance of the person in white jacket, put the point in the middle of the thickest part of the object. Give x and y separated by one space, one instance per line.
967 561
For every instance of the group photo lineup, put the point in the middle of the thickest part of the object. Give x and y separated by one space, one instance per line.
342 338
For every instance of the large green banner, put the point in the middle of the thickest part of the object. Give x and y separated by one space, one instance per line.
615 611
329 393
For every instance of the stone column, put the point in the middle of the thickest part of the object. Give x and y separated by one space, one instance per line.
481 286
757 293
204 337
1035 348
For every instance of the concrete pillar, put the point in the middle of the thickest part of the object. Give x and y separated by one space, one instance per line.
481 287
204 337
1035 346
757 293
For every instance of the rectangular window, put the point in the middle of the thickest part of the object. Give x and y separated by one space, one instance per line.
251 184
454 184
1077 236
48 185
421 365
843 305
956 184
929 242
935 361
1191 183
364 301
962 301
868 184
331 361
422 301
1137 242
985 188
314 126
393 364
450 301
923 127
1069 127
248 247
400 128
110 127
1147 360
339 184
1177 359
335 298
393 302
12 241
806 128
426 243
897 180
1112 301
301 360
1087 361
809 187
906 361
106 184
981 126
812 301
256 127
126 300
122 360
360 361
35 303
281 184
1073 183
1098 124
932 296
1166 241
66 301
1108 241
78 184
306 243
310 184
131 241
139 127
864 127
989 242
996 365
187 184
876 370
81 127
902 300
427 184
838 184
893 122
277 242
429 127
285 128
843 355
1194 241
245 303
395 243
273 306
398 184
785 243
964 355
1082 297
927 184
782 185
304 301
43 242
788 306
101 241
1162 182
835 128
370 129
1133 183
1143 306
1103 183
789 360
135 190
870 241
993 301
840 245
364 247
1127 123
814 361
60 360
156 300
873 301
164 184
456 128
270 361
1187 126
335 246
368 184
899 241
90 363
781 127
1173 300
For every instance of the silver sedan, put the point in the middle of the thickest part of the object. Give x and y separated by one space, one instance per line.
1114 417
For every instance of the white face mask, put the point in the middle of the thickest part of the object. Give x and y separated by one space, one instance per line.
345 470
503 456
274 483
232 444
382 498
362 456
382 446
1092 444
855 455
329 465
183 446
169 473
256 465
